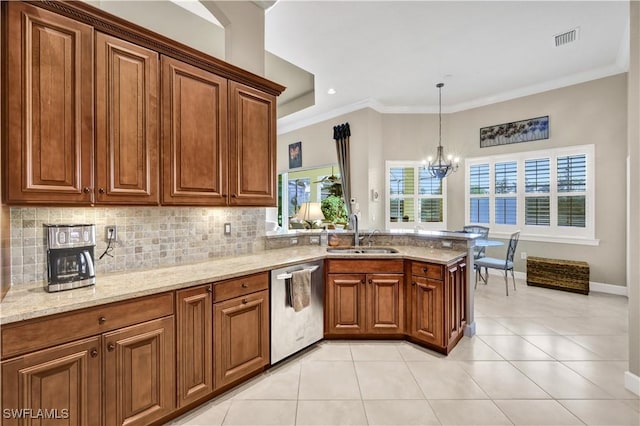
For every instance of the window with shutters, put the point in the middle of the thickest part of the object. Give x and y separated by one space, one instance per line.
548 195
414 199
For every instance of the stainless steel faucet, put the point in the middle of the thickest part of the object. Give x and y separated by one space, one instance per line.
353 220
371 235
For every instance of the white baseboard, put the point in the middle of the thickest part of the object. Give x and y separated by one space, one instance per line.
608 288
632 382
618 290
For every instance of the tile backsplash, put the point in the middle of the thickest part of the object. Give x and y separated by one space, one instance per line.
147 236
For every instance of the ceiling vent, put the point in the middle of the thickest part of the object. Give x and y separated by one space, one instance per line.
566 37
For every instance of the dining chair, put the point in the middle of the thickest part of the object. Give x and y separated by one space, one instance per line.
505 265
478 252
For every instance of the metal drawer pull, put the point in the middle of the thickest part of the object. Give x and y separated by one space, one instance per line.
93 353
209 289
111 347
370 281
287 275
245 285
425 270
245 301
102 320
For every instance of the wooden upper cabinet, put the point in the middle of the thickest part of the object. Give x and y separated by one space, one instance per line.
252 147
126 122
49 108
194 135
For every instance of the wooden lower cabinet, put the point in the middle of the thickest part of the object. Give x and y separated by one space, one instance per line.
139 373
345 303
427 310
455 302
61 382
436 302
365 304
241 344
194 310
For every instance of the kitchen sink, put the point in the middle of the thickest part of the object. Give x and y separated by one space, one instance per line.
362 250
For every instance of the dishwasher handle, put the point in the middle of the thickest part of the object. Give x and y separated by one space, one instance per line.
287 275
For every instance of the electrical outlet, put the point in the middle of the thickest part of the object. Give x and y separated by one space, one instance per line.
523 255
293 241
111 233
447 244
227 229
314 240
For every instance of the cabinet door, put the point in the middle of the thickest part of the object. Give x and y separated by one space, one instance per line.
455 300
427 310
384 301
139 373
194 136
194 318
345 299
252 147
126 122
63 381
49 107
241 337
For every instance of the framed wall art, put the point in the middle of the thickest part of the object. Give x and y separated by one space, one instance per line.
532 129
295 155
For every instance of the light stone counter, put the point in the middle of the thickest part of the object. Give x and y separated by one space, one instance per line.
27 301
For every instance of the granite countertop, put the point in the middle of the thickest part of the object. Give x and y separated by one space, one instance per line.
28 301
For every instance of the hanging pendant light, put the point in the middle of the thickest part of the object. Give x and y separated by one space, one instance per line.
440 167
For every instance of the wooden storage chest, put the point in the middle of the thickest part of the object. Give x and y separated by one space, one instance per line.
568 275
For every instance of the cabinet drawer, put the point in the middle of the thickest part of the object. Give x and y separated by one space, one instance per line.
240 286
428 270
48 331
367 266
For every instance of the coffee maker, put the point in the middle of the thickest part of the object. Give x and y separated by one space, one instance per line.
70 258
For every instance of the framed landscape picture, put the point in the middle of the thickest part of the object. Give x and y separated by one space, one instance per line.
532 129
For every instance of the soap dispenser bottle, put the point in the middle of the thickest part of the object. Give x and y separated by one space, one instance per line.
324 237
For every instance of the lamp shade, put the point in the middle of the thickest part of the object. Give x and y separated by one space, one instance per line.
310 212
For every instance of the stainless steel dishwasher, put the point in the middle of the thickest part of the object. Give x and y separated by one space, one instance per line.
293 331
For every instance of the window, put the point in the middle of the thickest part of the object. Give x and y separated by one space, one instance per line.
414 198
549 195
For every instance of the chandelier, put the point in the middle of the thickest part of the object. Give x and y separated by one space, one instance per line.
440 167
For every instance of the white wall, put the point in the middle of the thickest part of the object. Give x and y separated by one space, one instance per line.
589 113
170 20
633 280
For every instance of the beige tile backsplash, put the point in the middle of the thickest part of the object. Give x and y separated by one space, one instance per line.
147 236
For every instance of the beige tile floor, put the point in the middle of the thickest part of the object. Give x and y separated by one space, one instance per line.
540 357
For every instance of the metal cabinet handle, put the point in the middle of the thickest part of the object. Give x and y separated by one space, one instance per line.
413 283
245 301
111 347
209 289
102 320
245 285
234 195
101 190
86 190
425 270
362 281
370 281
93 353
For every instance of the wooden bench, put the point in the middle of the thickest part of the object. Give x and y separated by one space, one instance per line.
567 275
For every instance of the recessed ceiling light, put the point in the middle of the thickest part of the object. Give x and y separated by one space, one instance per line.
331 91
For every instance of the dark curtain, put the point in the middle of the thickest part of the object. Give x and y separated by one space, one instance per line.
341 135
